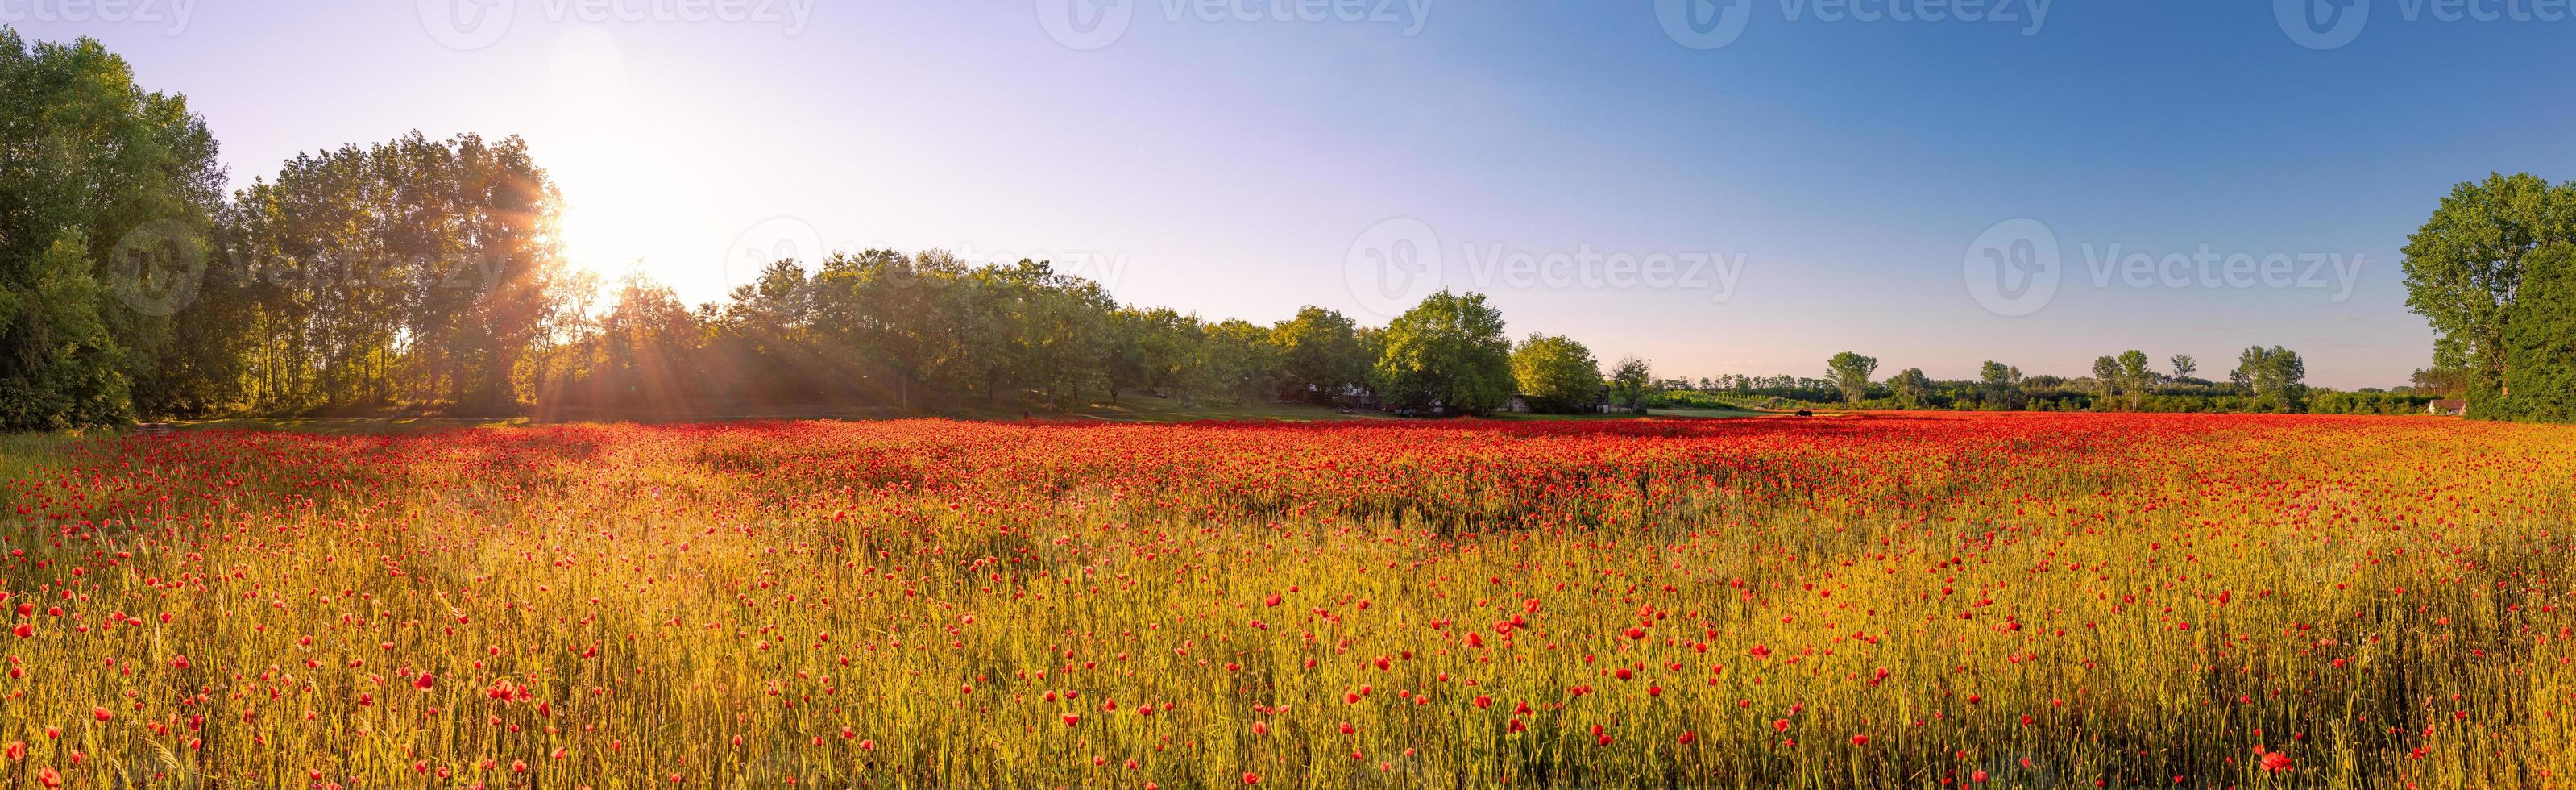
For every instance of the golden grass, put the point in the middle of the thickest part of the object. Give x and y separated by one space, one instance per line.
2050 600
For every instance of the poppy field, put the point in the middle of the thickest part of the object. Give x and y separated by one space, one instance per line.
1916 600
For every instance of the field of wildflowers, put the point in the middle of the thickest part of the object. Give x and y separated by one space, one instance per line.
1918 600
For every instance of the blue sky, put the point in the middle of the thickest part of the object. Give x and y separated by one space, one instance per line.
1834 180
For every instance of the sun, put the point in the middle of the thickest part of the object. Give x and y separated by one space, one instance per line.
615 206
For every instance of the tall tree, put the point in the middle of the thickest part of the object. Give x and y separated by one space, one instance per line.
1448 351
2466 265
2184 366
1850 373
415 271
2275 376
763 344
1910 385
1122 365
1237 362
2540 339
1556 374
106 198
2002 384
1168 343
1997 374
1065 321
1320 354
2136 377
1630 381
889 300
642 358
2439 382
2106 379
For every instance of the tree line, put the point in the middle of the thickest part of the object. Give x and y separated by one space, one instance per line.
2264 380
428 275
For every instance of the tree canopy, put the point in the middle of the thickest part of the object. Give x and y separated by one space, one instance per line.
2276 376
1556 374
1629 382
1449 352
2466 265
2540 339
413 271
107 194
1321 353
1850 373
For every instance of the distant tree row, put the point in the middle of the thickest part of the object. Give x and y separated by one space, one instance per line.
2265 380
884 329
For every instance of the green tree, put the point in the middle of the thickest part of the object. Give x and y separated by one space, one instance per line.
641 358
1630 382
2276 377
867 314
2106 380
106 200
764 340
2540 339
1236 363
1448 351
1064 324
1556 375
2466 264
1122 365
1168 342
1910 385
2136 377
2184 366
2002 384
2438 382
1320 354
415 271
1850 373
